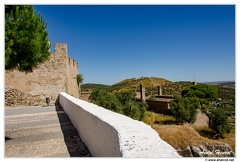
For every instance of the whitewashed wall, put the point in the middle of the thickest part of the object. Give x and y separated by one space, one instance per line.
109 134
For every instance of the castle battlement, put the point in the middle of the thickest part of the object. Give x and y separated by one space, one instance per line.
58 74
60 47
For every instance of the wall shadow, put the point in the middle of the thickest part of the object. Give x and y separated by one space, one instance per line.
75 145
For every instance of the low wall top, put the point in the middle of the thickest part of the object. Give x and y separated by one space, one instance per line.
136 139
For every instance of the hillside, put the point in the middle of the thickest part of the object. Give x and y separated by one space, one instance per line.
150 83
175 88
226 90
133 84
92 86
226 94
222 83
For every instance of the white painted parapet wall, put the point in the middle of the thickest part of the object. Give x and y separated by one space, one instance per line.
109 134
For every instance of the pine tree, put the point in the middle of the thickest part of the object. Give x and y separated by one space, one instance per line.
26 42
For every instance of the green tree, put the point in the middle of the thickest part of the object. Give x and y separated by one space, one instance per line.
184 109
106 100
125 96
130 106
202 91
143 109
131 109
26 42
206 94
123 103
79 79
218 121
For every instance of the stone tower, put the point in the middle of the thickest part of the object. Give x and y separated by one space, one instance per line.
58 74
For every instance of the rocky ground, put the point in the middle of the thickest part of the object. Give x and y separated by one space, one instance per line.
207 150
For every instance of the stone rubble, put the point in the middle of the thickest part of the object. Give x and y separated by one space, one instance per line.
14 97
207 150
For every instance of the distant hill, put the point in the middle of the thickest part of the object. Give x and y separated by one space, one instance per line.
92 86
226 89
133 84
150 83
175 88
221 83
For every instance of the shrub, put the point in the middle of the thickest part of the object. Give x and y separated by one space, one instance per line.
152 98
184 109
218 121
106 100
123 103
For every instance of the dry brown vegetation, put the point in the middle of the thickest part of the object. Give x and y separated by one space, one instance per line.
181 136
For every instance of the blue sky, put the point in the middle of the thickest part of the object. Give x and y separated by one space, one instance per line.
116 42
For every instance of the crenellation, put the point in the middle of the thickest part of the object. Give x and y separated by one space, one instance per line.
60 48
71 62
47 80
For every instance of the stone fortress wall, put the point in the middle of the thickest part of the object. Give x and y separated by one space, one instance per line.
58 74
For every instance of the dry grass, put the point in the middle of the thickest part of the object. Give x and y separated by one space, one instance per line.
229 139
153 118
181 136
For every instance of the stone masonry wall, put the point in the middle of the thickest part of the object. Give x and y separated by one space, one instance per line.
54 76
72 79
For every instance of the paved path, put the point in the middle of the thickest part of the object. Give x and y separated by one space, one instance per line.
41 132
